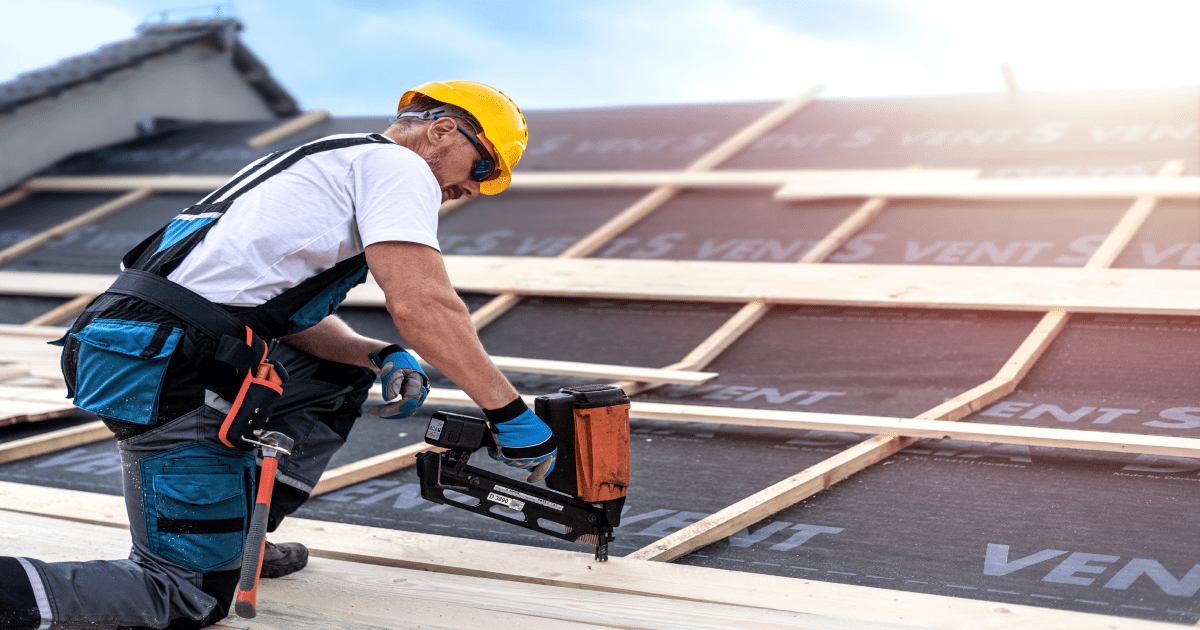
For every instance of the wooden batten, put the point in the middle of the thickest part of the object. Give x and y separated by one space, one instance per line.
597 370
560 180
1132 291
822 605
369 468
35 445
907 427
37 240
110 183
61 312
1142 291
19 194
1131 221
295 125
1024 188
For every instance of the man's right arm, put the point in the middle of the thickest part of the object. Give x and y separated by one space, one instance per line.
434 321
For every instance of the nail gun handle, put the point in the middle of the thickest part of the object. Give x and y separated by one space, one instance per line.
256 540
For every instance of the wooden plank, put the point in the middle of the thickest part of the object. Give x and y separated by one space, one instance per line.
558 180
68 285
907 427
1024 188
494 308
10 371
369 468
55 395
19 194
921 428
63 311
26 331
102 183
1133 219
18 411
796 185
37 240
597 370
1134 291
1010 374
861 607
452 205
49 442
1142 291
297 124
723 337
341 594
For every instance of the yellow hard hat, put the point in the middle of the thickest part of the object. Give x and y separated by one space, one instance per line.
503 123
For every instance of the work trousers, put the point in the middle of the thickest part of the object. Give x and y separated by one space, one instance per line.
189 498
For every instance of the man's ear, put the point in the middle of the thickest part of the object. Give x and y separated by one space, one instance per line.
441 131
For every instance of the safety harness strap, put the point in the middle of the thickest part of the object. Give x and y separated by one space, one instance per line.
280 165
212 320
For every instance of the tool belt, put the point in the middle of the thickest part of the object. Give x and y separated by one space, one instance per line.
236 345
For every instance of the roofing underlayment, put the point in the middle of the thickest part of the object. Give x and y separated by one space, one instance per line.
954 241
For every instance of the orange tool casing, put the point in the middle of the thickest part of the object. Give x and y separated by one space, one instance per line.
602 452
591 424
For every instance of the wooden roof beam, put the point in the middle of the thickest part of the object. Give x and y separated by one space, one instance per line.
1133 291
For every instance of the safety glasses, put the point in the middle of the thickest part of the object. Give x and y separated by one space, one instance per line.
487 165
485 168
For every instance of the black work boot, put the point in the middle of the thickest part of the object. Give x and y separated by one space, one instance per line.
283 559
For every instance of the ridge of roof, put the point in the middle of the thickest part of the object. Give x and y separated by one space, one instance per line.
151 40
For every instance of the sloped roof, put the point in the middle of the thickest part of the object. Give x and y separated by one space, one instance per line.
941 516
152 40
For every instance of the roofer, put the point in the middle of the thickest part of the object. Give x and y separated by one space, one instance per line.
181 381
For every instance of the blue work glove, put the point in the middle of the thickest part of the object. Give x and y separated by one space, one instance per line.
524 441
401 376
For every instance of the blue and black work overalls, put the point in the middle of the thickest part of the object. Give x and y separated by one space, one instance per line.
160 369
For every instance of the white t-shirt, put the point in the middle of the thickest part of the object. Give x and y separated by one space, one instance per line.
323 209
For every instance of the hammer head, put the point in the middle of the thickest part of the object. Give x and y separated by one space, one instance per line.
273 443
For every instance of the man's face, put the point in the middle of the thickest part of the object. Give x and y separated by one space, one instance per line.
453 158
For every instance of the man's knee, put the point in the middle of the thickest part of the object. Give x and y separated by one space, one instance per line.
18 605
221 586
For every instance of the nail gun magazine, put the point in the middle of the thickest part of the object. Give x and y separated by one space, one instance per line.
584 493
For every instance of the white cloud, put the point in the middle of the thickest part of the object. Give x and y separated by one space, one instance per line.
1074 44
703 50
624 52
42 32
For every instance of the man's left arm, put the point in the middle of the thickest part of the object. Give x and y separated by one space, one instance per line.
332 339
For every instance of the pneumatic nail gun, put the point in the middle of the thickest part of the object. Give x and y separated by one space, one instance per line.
586 488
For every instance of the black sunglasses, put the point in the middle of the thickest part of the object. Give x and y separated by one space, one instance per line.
485 168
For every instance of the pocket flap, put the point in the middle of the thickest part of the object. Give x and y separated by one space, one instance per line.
198 489
140 339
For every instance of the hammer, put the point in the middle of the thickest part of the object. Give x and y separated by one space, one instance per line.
271 444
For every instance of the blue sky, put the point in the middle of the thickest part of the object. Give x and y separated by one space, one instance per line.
355 57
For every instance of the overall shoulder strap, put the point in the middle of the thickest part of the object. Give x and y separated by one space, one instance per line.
164 250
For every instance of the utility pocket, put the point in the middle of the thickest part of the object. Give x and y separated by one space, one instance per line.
196 509
120 367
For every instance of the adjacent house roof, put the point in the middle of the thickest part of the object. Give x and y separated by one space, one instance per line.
152 40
